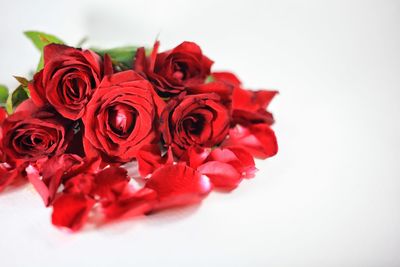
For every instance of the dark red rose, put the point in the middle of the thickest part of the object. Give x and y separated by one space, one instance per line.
120 117
194 120
67 80
174 70
29 136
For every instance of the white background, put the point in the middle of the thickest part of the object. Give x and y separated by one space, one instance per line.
331 195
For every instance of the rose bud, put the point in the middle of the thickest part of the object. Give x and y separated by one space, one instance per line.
120 117
174 70
194 120
67 80
29 136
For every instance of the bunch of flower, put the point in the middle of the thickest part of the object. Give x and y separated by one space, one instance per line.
88 117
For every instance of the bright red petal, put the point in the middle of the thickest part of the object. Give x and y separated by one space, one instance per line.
258 139
46 175
149 159
8 175
194 156
222 175
178 185
131 204
71 211
238 157
110 183
226 77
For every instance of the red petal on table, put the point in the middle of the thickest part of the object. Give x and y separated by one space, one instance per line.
226 77
149 158
257 139
47 188
222 175
178 185
247 165
46 175
195 156
237 157
131 204
71 211
8 175
81 183
110 183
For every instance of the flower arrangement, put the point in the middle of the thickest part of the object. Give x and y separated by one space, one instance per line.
89 115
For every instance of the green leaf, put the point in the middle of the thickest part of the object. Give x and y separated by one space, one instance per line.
3 93
121 56
41 39
17 97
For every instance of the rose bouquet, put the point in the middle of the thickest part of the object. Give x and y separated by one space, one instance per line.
89 115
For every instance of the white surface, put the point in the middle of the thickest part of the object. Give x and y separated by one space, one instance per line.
331 195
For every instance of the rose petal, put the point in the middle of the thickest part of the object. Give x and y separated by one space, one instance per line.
46 175
220 88
81 183
149 159
71 211
258 139
108 66
238 157
131 204
178 185
27 105
226 77
194 156
8 175
110 183
222 175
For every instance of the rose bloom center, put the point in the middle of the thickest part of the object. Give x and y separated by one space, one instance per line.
122 119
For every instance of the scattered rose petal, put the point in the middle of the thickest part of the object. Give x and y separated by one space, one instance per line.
222 175
258 139
71 211
178 185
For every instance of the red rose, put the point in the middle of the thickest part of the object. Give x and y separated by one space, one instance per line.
174 70
194 120
28 136
120 117
67 79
